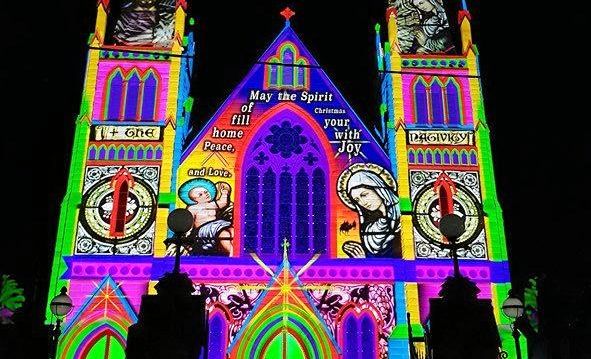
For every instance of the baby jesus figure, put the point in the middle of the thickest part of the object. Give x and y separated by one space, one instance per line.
211 208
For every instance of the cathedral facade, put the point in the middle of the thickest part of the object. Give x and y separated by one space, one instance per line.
313 236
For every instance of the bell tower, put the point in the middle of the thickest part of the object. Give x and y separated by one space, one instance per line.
439 144
129 132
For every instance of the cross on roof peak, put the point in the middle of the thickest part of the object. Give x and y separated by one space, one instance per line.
285 246
285 243
287 13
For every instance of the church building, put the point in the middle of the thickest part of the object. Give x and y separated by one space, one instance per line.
314 236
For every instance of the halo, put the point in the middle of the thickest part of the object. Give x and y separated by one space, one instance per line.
354 168
196 182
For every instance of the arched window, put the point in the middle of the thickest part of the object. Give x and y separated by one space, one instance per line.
218 334
150 153
119 213
104 345
132 94
285 205
302 212
102 153
288 60
291 70
301 71
159 153
359 337
268 237
437 157
350 346
420 157
464 158
114 96
368 337
92 153
251 210
455 158
272 75
453 103
149 97
446 159
319 211
111 153
411 156
421 103
429 157
140 154
437 104
131 154
473 158
121 154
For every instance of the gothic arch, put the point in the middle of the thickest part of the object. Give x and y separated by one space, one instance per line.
421 101
113 341
295 75
218 325
125 103
411 156
358 327
454 104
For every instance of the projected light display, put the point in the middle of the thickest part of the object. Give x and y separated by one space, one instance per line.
313 236
145 23
423 26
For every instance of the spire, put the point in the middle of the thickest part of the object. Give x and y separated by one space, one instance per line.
287 13
100 27
464 19
379 50
391 15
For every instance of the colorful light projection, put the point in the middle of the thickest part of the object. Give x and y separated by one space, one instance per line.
284 160
423 27
283 323
119 209
286 147
99 327
145 23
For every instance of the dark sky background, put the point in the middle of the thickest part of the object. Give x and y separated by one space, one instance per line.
529 68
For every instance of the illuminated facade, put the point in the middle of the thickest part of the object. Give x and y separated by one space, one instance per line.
312 235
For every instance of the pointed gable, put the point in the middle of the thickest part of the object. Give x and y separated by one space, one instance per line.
292 56
280 158
100 324
284 313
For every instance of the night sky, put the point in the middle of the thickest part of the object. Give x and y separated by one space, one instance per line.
529 68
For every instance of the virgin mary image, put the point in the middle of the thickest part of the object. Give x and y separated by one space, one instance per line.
370 190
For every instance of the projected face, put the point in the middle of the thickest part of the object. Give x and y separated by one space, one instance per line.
212 210
145 3
367 198
200 195
423 27
370 190
145 23
423 5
